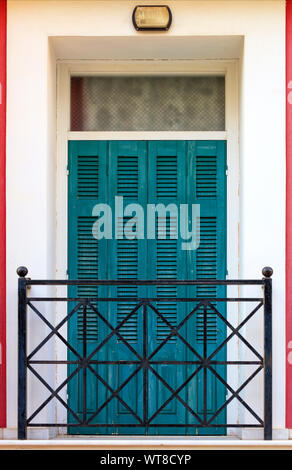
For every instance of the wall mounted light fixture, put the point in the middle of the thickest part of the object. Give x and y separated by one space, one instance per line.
152 18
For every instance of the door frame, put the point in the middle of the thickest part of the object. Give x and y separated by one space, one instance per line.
227 68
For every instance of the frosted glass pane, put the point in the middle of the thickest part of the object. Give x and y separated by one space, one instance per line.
147 103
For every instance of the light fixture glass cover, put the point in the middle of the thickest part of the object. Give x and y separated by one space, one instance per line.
152 17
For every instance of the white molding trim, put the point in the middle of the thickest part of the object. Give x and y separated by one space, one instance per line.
44 433
147 67
147 135
160 444
227 68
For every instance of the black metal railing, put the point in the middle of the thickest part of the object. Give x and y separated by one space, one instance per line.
144 360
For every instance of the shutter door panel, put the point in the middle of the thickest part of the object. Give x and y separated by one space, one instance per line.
127 170
207 176
167 161
86 164
154 172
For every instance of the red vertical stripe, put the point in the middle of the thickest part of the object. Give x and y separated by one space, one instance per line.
289 214
3 29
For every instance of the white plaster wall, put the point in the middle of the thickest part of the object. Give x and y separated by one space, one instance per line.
262 180
31 138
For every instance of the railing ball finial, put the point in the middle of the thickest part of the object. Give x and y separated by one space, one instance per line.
267 271
22 271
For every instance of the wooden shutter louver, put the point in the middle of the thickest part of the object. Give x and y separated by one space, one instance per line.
166 249
166 177
206 176
87 269
87 177
127 253
127 250
127 184
206 257
87 246
207 269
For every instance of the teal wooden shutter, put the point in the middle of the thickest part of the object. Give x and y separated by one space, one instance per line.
166 260
166 172
87 186
127 170
207 187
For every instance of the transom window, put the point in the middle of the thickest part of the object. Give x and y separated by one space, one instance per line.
144 103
